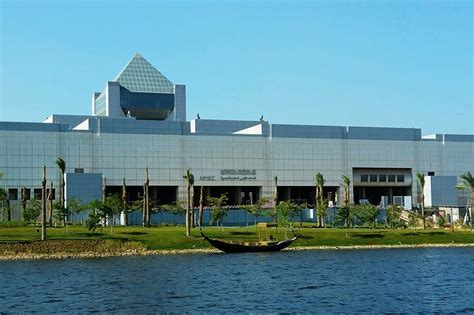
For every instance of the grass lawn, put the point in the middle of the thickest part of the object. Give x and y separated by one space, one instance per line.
174 237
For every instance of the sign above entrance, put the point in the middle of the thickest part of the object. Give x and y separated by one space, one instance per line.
233 175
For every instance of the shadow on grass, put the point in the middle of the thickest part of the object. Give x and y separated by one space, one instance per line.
368 235
424 233
134 233
88 234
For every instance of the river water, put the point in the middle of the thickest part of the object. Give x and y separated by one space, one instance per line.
348 281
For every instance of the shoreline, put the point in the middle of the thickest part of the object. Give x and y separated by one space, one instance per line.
144 252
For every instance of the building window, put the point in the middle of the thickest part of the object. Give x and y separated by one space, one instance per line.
79 170
382 178
37 193
431 173
373 178
391 178
400 178
13 194
364 178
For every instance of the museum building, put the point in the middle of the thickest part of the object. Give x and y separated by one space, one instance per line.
138 122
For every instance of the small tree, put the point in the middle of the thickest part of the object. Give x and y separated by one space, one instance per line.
113 207
177 208
413 219
322 211
60 213
393 215
75 207
257 209
287 210
218 212
96 215
368 214
343 215
32 211
469 185
354 214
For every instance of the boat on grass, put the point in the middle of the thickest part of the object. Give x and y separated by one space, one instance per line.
264 244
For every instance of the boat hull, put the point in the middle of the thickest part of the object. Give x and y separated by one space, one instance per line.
242 248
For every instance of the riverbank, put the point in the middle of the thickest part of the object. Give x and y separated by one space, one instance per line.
145 252
21 243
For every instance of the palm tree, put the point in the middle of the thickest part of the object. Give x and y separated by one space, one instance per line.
124 201
62 167
104 189
201 206
24 199
146 200
43 205
421 181
4 200
319 184
275 198
5 204
346 183
189 178
50 198
469 184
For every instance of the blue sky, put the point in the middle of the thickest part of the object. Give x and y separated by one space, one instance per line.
370 63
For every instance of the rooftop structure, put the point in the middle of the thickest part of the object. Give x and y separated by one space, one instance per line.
141 91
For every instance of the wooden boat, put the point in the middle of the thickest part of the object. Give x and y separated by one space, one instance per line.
249 247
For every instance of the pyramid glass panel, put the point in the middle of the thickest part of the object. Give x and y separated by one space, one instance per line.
140 76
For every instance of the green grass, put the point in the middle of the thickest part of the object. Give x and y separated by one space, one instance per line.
174 237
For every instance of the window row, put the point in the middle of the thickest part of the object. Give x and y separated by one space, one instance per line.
16 194
374 178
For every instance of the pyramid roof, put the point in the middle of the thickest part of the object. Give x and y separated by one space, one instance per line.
141 76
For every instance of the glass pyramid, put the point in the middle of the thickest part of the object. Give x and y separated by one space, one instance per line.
140 76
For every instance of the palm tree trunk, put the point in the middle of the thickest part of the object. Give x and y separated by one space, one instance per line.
148 210
423 210
125 217
188 210
316 198
144 216
201 206
50 212
62 192
43 205
192 207
9 211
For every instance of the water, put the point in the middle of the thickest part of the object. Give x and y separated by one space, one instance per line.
394 281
